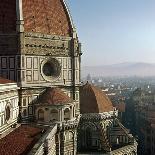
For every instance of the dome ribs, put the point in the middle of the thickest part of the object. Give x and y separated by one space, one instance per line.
93 100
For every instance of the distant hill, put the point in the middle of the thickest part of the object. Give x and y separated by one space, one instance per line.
122 69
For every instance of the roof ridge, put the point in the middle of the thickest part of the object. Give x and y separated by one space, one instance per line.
89 86
94 100
102 93
93 88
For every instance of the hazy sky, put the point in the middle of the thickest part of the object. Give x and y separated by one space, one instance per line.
115 31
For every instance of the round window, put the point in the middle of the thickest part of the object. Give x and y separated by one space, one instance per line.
51 69
7 113
48 69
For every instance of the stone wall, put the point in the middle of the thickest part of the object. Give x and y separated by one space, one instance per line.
9 108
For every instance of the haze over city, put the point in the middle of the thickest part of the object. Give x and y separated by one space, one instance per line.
115 31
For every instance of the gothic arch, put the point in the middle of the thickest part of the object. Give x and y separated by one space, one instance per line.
89 138
89 124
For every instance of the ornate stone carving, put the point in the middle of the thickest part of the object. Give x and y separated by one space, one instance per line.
31 91
46 36
47 47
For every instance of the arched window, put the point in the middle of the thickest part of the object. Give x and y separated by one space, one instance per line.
24 112
54 115
90 137
66 114
7 113
41 115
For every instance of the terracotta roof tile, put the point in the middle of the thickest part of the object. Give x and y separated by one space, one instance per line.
93 100
54 96
47 17
20 141
4 81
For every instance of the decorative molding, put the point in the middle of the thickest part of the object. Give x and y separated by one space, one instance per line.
47 47
46 36
31 91
19 13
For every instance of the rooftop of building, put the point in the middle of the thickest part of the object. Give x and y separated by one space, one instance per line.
20 141
54 96
47 17
5 81
94 100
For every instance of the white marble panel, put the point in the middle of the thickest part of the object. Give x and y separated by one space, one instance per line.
29 63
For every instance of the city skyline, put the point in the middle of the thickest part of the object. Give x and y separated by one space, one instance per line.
113 32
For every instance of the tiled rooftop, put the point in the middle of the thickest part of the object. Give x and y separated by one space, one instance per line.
94 100
54 96
20 141
47 17
4 81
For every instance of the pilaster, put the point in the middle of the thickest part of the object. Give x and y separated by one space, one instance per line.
19 12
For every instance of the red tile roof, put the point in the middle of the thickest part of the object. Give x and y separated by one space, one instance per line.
20 141
47 17
93 100
4 81
54 96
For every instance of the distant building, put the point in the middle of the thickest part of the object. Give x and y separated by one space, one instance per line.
89 78
144 112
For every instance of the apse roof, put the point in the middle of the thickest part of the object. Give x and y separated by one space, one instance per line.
54 96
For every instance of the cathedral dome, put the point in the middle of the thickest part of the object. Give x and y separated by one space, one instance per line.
47 17
54 96
39 16
93 100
